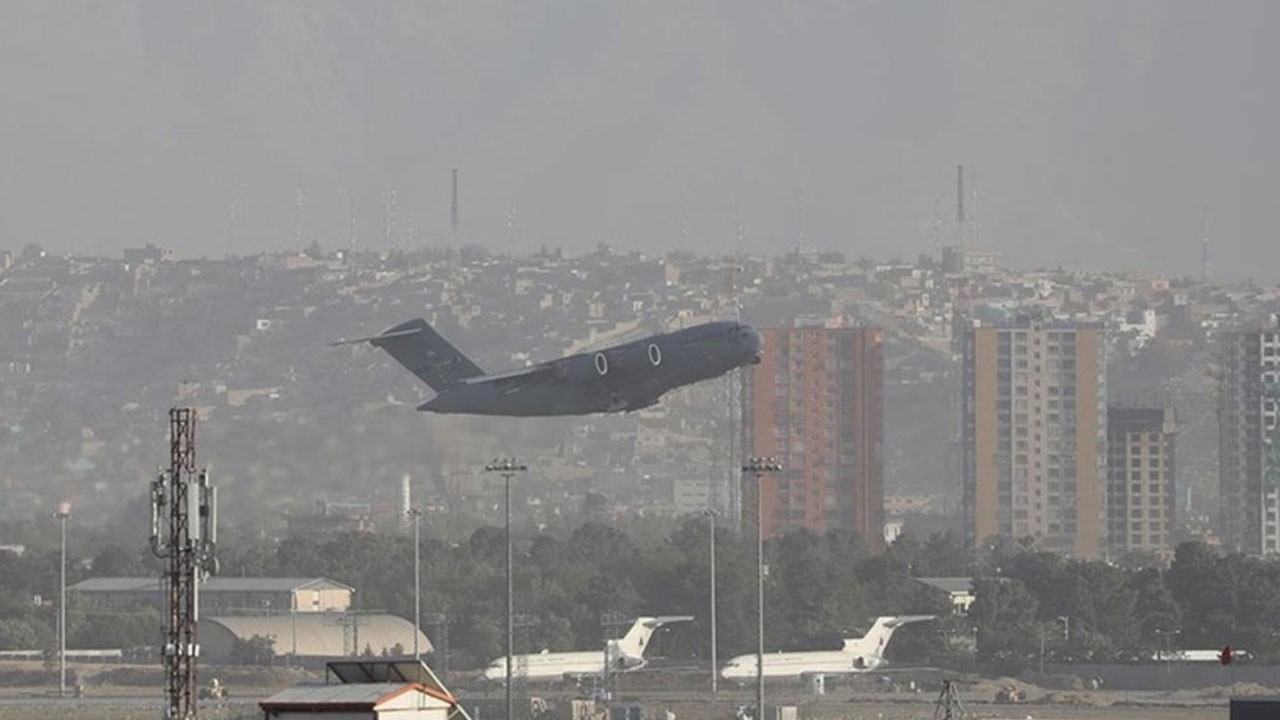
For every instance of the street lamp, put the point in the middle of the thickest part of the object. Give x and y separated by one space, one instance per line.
507 468
1168 652
62 513
758 466
416 514
711 538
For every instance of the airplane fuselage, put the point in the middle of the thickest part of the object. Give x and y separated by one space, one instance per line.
552 667
800 664
625 377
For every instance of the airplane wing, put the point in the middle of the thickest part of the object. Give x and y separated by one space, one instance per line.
524 373
516 380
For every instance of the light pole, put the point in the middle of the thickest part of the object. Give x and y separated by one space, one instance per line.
711 539
416 514
63 512
1168 653
507 468
758 466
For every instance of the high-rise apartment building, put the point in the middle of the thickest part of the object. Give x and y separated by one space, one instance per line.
1141 490
1034 434
1249 439
815 402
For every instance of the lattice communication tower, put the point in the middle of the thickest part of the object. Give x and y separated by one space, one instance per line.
183 532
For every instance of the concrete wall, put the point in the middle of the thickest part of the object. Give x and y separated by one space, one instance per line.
1170 676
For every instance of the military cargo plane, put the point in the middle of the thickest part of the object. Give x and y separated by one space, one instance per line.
623 378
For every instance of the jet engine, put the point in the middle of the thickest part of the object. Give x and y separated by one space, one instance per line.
584 368
627 662
634 360
866 663
631 361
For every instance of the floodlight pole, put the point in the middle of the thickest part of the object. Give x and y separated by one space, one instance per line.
507 468
416 514
759 466
63 512
711 538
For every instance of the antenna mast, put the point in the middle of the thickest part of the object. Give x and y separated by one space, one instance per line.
455 219
389 229
297 222
1205 221
184 504
352 227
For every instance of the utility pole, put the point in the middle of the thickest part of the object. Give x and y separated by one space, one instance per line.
440 643
711 539
63 512
185 503
1042 649
759 466
608 680
416 514
507 468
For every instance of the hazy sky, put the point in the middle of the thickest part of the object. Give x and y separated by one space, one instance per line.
1096 132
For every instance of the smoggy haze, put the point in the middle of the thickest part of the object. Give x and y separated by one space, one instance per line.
1096 131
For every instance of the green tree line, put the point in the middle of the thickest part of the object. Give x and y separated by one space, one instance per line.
1030 605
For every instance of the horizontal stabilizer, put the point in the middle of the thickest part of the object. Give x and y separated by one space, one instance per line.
371 338
425 353
659 621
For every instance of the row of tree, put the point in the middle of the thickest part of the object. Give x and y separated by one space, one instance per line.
1030 605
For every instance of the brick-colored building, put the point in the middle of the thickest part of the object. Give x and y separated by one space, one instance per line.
816 402
1140 485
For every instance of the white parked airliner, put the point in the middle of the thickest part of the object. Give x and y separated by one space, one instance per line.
625 654
858 655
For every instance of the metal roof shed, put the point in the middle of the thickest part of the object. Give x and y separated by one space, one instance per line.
364 701
368 690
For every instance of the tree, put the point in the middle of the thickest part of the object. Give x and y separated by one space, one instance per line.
1005 614
1159 614
18 635
1204 586
257 650
114 561
945 555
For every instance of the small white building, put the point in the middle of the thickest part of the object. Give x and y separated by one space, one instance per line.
368 690
372 701
960 590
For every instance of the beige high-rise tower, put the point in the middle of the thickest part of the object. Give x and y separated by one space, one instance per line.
1035 423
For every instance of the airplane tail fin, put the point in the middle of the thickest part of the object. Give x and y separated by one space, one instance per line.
636 641
877 638
424 352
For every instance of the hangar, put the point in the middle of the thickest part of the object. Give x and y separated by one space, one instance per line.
311 635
